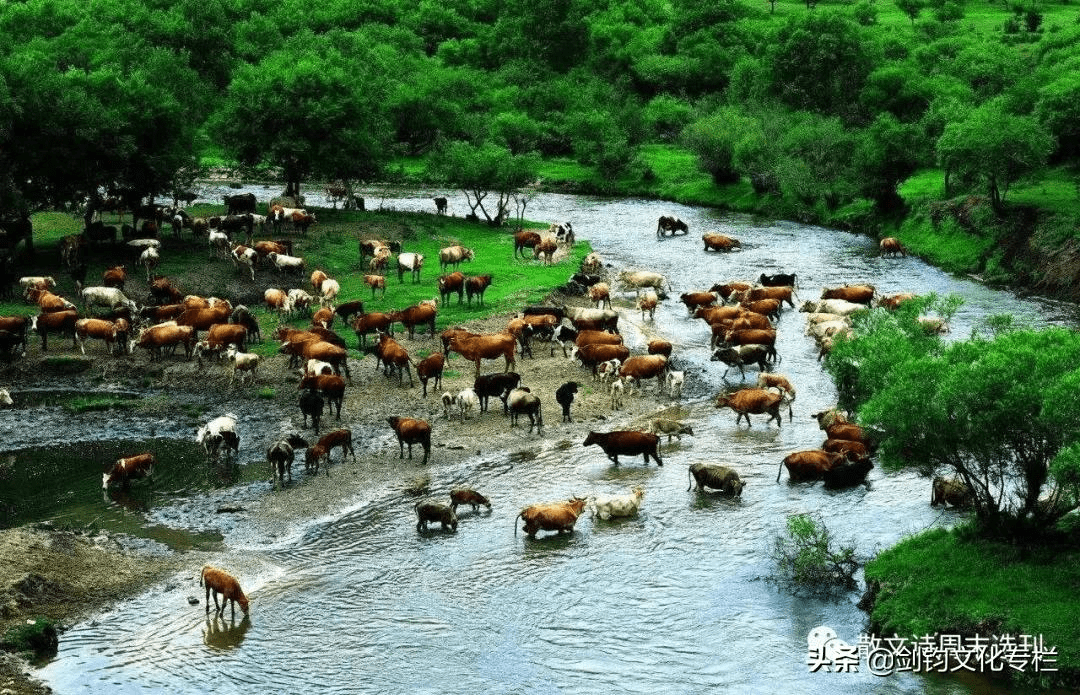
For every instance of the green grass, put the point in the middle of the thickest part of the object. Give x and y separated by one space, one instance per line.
331 245
942 581
84 404
946 246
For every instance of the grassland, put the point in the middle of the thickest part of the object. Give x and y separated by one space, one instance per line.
951 583
332 246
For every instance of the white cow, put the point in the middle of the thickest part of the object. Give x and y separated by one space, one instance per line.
608 506
219 431
328 291
149 259
242 362
467 400
109 297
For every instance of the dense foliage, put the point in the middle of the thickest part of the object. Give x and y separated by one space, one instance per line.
998 410
824 106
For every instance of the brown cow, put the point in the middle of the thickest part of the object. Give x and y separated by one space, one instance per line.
114 277
95 328
781 294
641 367
552 516
475 286
411 431
857 294
157 314
951 491
415 315
843 446
156 337
222 334
747 402
370 323
769 308
893 301
391 353
221 582
331 386
203 319
850 432
890 246
626 443
335 355
62 322
725 290
809 465
693 300
715 314
325 446
164 292
431 367
489 347
127 469
324 317
449 284
49 302
523 239
595 353
590 337
659 347
719 242
375 282
317 279
547 249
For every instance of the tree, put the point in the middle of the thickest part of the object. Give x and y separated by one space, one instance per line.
911 8
998 411
994 146
315 107
480 170
819 63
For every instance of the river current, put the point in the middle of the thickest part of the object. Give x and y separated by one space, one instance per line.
672 601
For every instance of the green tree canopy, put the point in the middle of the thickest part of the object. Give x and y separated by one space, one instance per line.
1001 412
994 146
315 107
479 170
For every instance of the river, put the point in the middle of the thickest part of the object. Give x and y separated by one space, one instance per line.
673 601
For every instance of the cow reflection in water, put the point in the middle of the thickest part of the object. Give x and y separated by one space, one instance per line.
222 633
138 501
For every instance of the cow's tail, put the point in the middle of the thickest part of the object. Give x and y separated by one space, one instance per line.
690 477
779 471
515 523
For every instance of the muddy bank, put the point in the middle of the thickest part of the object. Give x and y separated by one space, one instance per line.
67 576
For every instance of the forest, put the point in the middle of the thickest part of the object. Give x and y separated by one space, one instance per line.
855 114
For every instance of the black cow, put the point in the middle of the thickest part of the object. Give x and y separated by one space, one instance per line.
564 395
717 477
240 203
488 385
311 404
777 280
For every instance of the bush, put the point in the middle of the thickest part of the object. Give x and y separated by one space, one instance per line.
36 636
865 13
806 559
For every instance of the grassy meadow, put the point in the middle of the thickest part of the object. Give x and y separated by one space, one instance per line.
330 245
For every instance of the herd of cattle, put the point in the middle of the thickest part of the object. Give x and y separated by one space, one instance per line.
740 317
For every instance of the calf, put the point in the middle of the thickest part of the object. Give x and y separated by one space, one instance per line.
675 381
244 362
311 405
127 469
467 400
219 432
337 438
464 495
626 443
564 396
411 431
672 428
433 511
331 386
221 582
608 506
848 473
521 401
280 456
717 477
431 367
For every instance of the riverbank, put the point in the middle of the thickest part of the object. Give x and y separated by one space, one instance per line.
948 582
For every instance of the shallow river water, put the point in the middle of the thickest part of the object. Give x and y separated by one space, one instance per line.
673 601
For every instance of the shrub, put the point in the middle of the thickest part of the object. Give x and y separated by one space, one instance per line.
806 557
